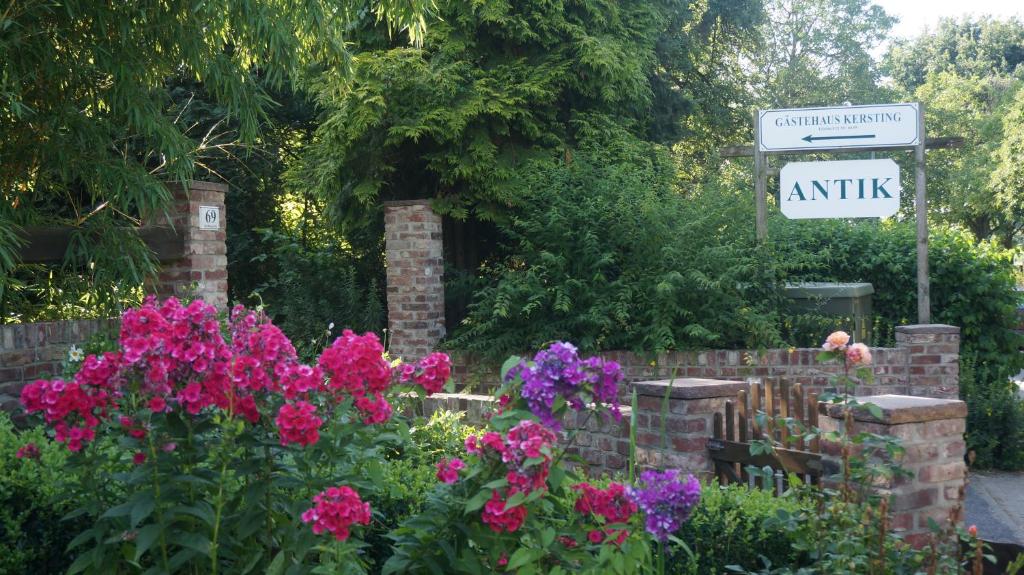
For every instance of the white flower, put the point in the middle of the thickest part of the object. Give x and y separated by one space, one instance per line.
75 354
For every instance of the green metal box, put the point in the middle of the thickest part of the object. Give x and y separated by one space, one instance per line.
850 301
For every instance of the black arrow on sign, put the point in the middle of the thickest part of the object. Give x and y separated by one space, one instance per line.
809 138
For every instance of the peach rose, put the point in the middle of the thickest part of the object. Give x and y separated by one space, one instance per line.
836 340
858 354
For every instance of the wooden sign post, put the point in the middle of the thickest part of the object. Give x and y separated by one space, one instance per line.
847 129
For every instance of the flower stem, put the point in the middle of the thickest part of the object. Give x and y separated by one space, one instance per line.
267 497
661 558
572 438
156 498
217 517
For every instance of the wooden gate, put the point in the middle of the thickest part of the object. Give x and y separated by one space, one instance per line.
733 431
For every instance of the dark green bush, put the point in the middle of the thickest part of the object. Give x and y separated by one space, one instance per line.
310 287
34 496
995 419
607 253
732 526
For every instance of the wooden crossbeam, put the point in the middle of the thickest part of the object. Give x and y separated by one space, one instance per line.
799 462
929 143
49 245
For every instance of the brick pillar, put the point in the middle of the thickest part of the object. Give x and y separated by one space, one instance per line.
931 430
415 276
203 269
692 404
933 359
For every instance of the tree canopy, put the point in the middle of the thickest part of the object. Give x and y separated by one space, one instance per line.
971 47
86 131
497 84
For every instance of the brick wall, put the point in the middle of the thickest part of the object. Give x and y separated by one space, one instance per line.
35 350
415 278
604 444
202 270
924 362
933 362
931 432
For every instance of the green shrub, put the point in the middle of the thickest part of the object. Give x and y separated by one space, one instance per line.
410 475
607 253
311 287
731 526
995 420
972 286
34 495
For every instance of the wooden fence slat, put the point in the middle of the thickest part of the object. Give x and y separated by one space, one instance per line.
769 407
755 407
784 412
741 398
812 420
730 421
798 412
719 467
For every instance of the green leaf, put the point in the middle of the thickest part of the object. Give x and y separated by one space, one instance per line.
517 499
118 510
395 564
202 510
874 410
521 557
556 477
145 538
142 509
478 500
81 538
496 483
276 566
547 536
180 558
196 541
80 563
511 362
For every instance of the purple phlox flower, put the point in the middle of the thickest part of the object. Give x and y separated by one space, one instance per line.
559 371
665 499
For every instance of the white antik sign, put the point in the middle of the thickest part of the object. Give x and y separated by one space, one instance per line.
847 189
838 127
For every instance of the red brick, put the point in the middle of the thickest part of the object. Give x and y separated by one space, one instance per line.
938 473
688 444
915 499
902 521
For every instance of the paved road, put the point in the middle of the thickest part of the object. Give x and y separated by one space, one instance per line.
995 503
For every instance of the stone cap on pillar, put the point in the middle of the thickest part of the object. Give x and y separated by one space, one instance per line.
400 203
899 409
927 328
690 388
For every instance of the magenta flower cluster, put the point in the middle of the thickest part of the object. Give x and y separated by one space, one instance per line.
558 371
665 499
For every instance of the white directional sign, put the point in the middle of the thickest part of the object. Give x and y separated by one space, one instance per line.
844 189
885 125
